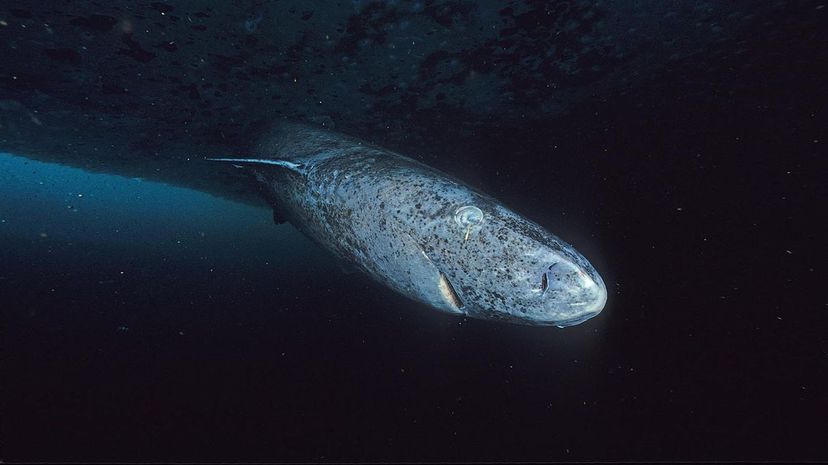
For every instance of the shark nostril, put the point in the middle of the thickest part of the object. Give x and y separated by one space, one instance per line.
545 276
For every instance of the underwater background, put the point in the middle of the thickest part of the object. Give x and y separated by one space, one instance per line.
153 311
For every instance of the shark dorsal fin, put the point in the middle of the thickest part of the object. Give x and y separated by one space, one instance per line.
240 162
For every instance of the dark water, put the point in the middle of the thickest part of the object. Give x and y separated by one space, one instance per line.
146 322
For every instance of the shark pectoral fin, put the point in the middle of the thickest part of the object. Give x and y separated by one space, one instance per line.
409 269
449 295
428 281
297 167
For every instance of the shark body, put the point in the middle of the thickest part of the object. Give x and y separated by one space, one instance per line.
422 232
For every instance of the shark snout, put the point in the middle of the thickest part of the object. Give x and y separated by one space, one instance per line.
572 294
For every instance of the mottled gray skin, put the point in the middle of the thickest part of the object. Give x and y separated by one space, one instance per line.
397 220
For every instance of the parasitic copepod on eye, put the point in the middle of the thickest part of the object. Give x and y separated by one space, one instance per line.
468 217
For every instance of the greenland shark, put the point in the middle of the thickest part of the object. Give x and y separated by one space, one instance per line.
421 232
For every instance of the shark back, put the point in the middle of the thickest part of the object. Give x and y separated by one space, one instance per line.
301 144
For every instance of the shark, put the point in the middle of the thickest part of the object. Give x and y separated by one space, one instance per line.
419 231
